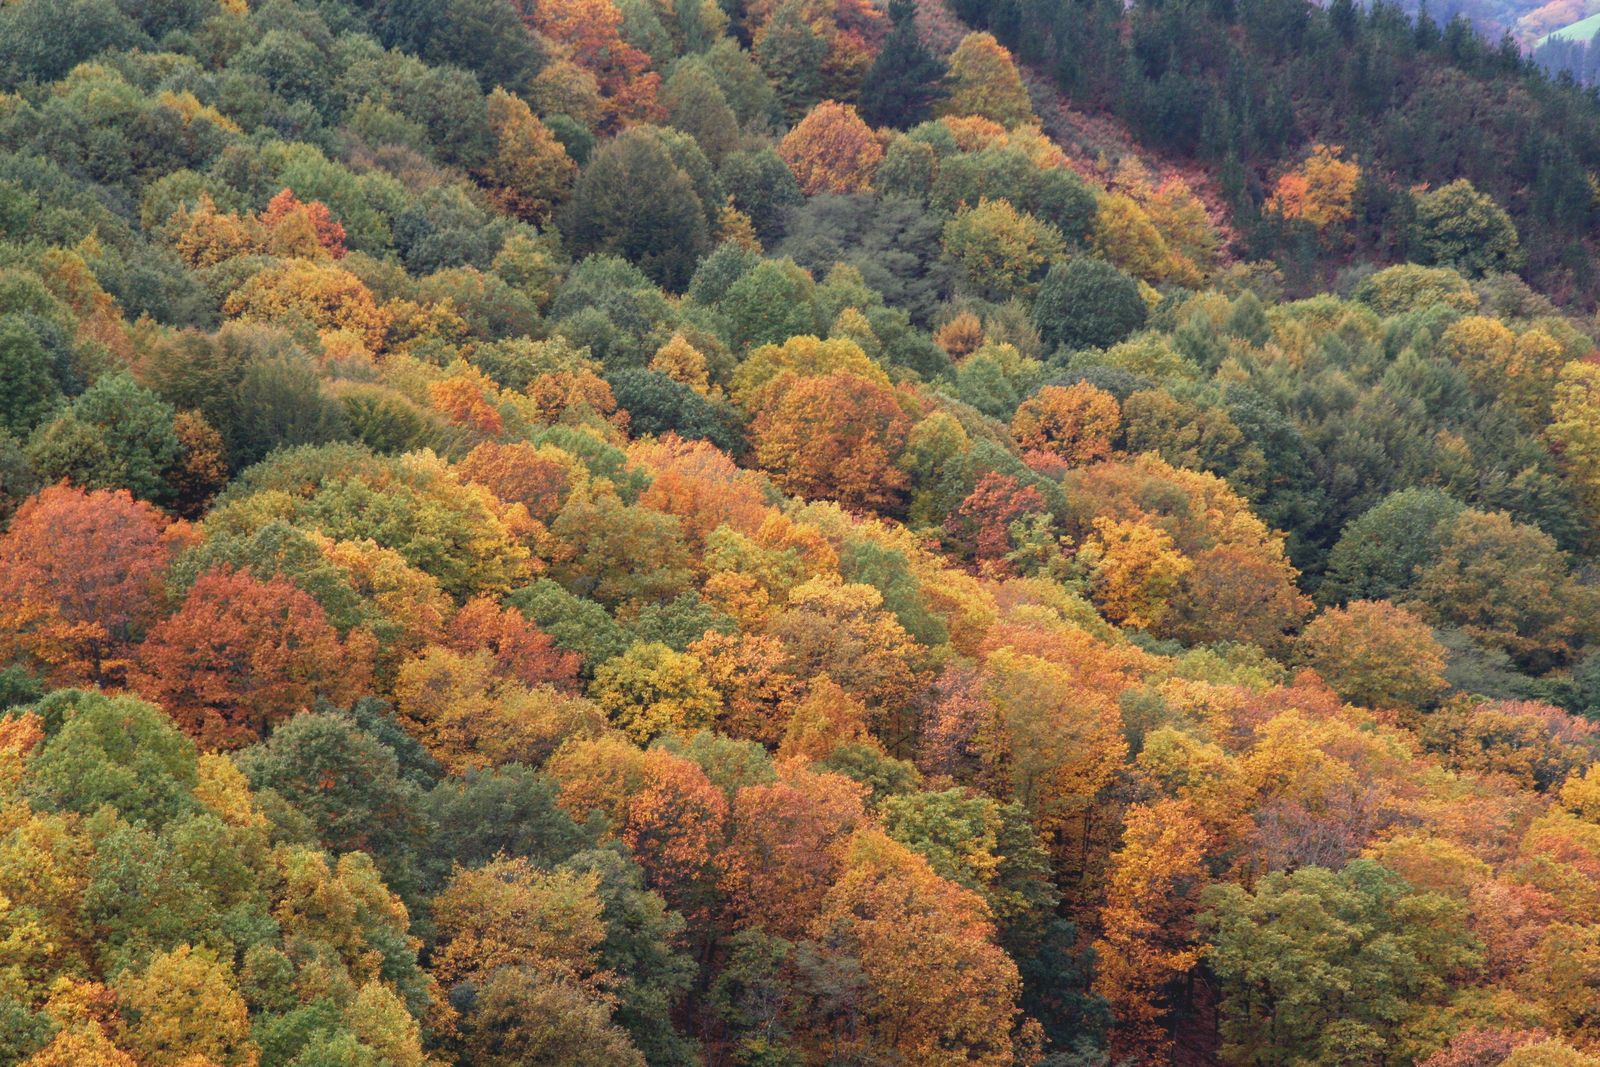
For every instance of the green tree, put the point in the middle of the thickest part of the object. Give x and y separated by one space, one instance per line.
695 104
906 80
1457 226
1320 967
657 405
1511 588
1380 555
763 187
510 810
30 389
773 302
42 40
575 624
119 751
280 403
1087 303
117 435
664 233
1001 252
643 943
347 784
791 54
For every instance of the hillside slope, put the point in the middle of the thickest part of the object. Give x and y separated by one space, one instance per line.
644 534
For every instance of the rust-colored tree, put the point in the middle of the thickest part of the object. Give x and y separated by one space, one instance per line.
835 437
981 525
1076 422
783 853
591 31
522 652
80 581
675 827
521 473
287 210
832 151
900 922
241 655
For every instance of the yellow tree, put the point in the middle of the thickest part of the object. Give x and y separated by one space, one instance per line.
1060 740
380 1020
598 774
1135 570
651 690
1321 191
735 227
184 1003
1521 371
837 436
325 296
826 719
530 171
510 914
1574 431
961 336
984 81
758 376
683 363
901 922
204 236
467 715
1075 422
746 670
1184 224
80 1046
1148 939
1241 585
1126 235
843 630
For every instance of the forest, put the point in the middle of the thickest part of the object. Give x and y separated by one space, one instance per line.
795 533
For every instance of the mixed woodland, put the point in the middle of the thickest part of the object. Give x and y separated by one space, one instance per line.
784 533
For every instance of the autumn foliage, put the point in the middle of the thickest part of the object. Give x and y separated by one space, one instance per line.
240 655
837 435
1077 423
1321 191
795 533
831 150
591 31
80 580
285 212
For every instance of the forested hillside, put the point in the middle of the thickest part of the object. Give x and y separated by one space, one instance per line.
606 533
1250 85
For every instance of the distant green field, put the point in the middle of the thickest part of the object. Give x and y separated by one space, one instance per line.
1582 30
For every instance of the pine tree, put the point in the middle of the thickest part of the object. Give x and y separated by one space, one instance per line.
906 80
